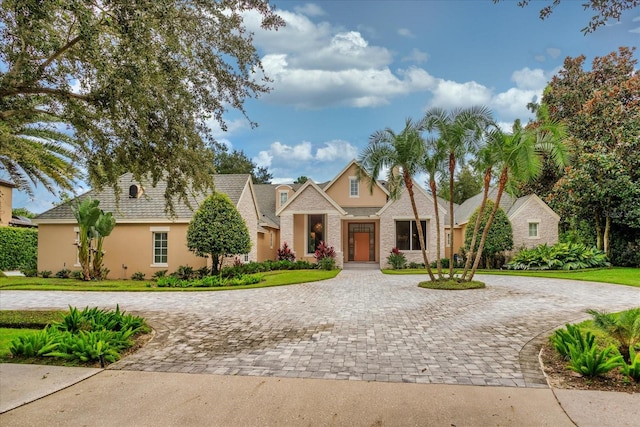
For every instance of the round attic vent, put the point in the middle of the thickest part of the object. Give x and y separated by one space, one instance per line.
135 191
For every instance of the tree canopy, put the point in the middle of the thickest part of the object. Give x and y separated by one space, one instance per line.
602 110
134 85
467 183
500 234
604 10
218 230
238 162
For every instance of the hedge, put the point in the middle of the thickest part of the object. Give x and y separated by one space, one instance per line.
18 249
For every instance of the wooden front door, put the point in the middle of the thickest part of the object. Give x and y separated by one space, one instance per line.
361 246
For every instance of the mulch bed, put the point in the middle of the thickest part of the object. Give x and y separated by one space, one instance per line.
559 376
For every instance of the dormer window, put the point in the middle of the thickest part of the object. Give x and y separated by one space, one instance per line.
284 196
354 187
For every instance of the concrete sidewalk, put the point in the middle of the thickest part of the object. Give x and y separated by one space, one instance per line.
108 397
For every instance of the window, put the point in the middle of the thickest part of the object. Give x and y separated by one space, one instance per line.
77 244
160 247
315 232
533 229
271 239
407 238
246 257
354 187
448 238
284 196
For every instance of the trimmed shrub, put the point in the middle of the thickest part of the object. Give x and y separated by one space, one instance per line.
396 259
19 249
561 256
285 253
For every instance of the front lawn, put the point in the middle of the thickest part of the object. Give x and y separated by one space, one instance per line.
615 275
272 278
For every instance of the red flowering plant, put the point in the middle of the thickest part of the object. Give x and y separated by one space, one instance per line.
396 259
326 256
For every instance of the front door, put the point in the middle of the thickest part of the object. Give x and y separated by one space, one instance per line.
361 246
361 241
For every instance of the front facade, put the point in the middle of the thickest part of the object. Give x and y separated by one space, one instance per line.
360 221
145 239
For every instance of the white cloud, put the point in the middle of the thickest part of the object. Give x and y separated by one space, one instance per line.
530 79
450 94
635 30
417 56
334 150
540 58
405 32
285 161
310 9
553 52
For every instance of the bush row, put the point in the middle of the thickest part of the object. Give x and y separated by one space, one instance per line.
208 281
19 249
561 256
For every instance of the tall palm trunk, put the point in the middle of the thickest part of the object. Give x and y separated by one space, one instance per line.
408 182
452 168
501 184
476 228
434 193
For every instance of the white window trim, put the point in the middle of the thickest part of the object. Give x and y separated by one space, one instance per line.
357 181
533 221
270 239
280 193
448 239
77 244
154 230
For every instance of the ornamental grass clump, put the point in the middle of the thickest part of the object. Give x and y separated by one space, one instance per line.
396 259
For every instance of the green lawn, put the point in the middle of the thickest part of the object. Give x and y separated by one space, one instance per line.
615 275
272 278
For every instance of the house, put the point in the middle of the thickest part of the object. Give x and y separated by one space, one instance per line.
362 224
146 239
533 221
6 208
6 202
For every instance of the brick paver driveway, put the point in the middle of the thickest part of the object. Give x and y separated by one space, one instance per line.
362 325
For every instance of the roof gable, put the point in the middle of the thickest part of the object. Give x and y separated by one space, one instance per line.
307 187
345 170
521 205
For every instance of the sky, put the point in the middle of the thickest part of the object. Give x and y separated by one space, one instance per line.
342 70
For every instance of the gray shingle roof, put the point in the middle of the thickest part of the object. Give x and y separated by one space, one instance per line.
151 204
359 212
507 203
266 197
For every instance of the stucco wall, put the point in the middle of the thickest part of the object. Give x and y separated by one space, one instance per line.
401 210
128 244
340 192
5 204
268 244
533 211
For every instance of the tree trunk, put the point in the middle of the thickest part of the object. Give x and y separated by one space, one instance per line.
408 182
434 193
598 232
452 169
501 184
476 228
605 237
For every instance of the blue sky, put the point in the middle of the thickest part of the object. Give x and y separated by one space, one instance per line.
344 69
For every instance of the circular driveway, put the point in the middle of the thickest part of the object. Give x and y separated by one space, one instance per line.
361 325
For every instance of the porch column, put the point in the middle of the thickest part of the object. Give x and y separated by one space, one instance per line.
286 230
334 237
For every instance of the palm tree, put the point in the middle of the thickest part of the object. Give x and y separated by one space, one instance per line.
461 131
485 160
519 156
432 164
401 154
33 152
